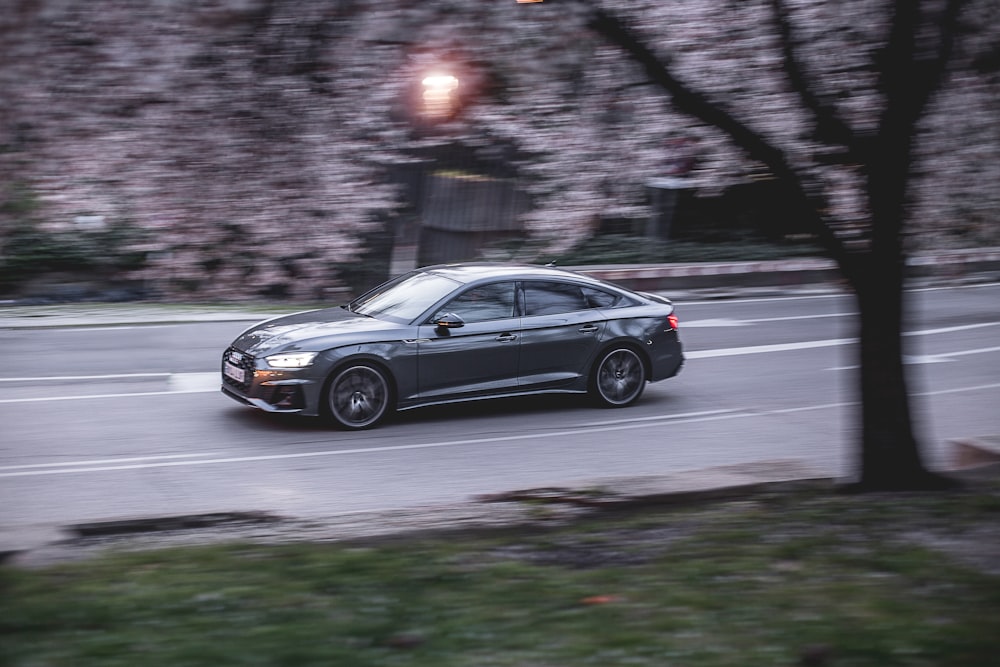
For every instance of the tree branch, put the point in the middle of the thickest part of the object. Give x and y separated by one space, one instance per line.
910 77
936 68
803 192
829 127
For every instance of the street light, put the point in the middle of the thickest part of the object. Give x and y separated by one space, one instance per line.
438 91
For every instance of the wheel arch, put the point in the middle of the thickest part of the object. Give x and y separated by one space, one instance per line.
602 351
356 359
594 379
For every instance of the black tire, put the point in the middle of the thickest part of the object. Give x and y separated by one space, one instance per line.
359 396
618 378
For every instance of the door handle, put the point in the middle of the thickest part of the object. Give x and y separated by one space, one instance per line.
503 338
588 328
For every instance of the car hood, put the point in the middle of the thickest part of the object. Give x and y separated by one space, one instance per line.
313 330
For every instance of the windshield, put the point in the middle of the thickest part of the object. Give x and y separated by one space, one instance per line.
404 298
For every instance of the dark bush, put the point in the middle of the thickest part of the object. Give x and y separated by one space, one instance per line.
28 251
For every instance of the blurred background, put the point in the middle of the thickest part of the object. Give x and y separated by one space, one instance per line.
249 150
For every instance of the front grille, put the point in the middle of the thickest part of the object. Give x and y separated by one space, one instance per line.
241 360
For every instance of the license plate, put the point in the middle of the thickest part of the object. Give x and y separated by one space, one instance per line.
235 372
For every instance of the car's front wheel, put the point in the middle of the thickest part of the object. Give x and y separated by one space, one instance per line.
619 377
359 396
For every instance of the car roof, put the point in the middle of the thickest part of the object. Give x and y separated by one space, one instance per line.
468 272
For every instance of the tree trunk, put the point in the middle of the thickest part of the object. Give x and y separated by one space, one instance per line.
890 455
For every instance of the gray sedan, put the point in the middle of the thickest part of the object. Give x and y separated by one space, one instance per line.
457 332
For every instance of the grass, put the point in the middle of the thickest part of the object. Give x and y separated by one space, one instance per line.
784 578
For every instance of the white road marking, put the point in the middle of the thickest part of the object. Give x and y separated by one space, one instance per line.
961 327
113 327
800 317
119 376
684 418
42 399
760 349
194 382
661 417
716 302
177 383
810 344
965 352
726 322
827 295
958 390
102 461
712 323
929 358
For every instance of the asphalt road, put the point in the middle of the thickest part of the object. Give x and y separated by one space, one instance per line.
111 422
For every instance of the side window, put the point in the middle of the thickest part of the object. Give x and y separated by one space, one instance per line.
550 298
600 299
482 304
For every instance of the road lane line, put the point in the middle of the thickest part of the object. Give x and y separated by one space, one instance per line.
957 390
110 327
810 344
725 322
799 317
41 399
843 294
662 417
760 349
130 459
963 353
927 358
194 381
961 327
178 383
119 376
798 297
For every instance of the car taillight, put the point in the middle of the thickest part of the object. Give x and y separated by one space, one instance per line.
672 321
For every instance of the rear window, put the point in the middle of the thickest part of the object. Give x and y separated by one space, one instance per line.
550 297
597 298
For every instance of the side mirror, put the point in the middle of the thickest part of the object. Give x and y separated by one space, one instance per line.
448 321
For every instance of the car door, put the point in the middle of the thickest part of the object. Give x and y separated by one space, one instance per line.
480 356
560 332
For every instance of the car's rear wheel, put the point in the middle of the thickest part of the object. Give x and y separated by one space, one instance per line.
359 396
619 377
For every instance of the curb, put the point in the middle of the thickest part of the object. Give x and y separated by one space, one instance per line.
676 277
949 265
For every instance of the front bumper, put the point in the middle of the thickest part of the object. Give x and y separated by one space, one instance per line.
247 380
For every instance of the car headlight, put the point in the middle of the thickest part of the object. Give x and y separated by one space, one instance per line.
291 359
